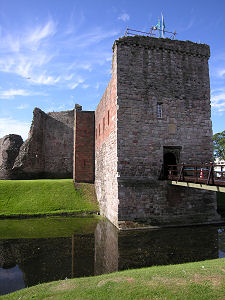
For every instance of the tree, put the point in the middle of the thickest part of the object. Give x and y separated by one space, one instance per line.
219 145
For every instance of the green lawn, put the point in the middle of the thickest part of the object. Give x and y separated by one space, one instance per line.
201 280
47 196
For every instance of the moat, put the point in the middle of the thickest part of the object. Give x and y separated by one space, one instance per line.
77 247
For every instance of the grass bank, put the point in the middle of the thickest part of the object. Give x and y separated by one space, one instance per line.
201 280
47 196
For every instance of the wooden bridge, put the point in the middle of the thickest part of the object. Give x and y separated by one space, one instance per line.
202 176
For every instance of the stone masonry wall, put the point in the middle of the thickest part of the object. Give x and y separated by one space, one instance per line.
84 146
30 163
172 75
58 145
106 149
48 151
9 149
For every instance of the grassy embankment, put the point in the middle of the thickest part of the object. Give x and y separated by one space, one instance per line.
46 197
201 280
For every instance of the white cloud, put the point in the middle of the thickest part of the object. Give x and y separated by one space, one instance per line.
27 39
124 17
221 73
188 26
10 94
40 33
43 54
45 79
76 83
80 66
10 126
24 65
68 77
86 40
218 101
85 86
22 106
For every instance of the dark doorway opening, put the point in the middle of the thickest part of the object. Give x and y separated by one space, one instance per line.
169 159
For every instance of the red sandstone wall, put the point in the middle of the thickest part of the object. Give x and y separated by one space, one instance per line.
106 149
84 146
105 116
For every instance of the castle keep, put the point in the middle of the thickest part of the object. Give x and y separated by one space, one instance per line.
155 111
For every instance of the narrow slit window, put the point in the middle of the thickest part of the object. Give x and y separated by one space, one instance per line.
99 131
159 110
103 125
108 117
96 133
84 163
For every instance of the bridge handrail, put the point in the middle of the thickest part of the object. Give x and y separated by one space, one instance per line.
210 174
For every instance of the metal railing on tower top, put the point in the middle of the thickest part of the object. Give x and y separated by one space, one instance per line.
151 33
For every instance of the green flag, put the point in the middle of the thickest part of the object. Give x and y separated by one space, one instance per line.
163 26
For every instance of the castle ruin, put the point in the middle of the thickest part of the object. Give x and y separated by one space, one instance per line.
155 111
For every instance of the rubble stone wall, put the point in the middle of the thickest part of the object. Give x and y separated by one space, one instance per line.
164 106
48 151
9 149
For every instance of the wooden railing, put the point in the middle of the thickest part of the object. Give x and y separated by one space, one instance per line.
210 174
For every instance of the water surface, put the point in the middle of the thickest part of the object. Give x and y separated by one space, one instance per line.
42 250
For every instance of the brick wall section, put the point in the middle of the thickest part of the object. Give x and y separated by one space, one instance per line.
174 74
84 144
106 149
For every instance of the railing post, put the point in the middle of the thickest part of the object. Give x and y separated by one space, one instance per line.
213 174
211 171
181 173
196 170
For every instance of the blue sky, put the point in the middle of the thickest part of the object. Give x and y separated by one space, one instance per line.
54 54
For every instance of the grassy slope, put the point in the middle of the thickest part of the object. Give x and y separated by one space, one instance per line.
201 280
45 196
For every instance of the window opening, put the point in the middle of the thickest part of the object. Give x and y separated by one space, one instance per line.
103 125
159 110
108 117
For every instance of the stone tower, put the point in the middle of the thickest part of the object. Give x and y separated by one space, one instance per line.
155 111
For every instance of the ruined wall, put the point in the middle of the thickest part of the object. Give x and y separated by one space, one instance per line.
172 75
84 146
106 149
9 149
58 144
48 151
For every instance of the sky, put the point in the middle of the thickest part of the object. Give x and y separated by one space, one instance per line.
55 53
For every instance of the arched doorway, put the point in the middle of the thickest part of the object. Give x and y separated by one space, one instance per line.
168 159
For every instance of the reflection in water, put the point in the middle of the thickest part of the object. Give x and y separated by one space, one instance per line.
27 262
11 280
